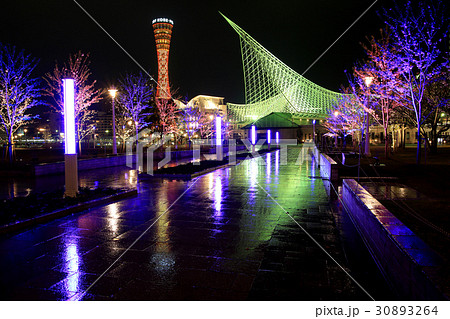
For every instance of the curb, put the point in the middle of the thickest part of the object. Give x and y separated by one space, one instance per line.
66 211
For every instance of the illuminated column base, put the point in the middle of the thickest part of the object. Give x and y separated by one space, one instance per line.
71 170
219 152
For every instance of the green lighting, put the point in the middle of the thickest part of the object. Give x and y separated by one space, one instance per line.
272 86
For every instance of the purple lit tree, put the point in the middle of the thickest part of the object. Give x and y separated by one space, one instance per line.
347 116
380 84
86 94
19 91
416 32
437 106
135 93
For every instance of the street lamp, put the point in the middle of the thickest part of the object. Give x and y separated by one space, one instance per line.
336 113
368 81
314 131
113 92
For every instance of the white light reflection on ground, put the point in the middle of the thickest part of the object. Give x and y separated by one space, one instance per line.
72 263
277 162
113 216
218 194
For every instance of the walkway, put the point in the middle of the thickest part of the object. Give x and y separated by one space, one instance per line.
218 237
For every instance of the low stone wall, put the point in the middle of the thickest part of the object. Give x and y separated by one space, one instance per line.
83 164
120 160
405 260
328 168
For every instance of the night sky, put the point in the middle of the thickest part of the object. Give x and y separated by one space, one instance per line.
205 53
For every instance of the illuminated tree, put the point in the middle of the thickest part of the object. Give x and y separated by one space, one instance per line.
380 84
437 106
416 33
124 124
347 116
167 116
135 94
19 91
86 94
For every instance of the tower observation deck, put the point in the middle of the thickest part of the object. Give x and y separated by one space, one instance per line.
162 28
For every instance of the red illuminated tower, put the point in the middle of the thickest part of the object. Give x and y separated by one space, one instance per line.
162 28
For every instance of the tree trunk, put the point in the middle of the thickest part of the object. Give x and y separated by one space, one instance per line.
386 143
10 149
419 144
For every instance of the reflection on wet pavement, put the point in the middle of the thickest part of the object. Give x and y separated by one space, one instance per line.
391 190
224 239
116 177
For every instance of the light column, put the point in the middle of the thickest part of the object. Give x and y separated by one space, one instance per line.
219 149
70 153
113 92
268 139
253 136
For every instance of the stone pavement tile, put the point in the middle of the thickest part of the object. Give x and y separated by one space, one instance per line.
80 282
89 263
45 280
206 279
235 266
35 294
243 282
141 290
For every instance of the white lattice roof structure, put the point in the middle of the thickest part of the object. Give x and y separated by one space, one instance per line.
272 86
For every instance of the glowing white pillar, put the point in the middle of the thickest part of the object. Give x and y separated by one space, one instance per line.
219 149
253 136
70 154
277 138
268 139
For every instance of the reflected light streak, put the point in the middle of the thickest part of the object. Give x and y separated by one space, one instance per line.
113 214
277 162
218 195
72 262
268 164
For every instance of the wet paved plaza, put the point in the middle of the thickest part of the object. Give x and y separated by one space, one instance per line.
217 237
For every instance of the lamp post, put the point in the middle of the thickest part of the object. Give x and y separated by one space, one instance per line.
113 92
314 131
336 113
368 81
219 149
253 136
70 152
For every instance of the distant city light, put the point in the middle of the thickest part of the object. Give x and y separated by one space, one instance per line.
268 136
253 134
69 116
218 130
